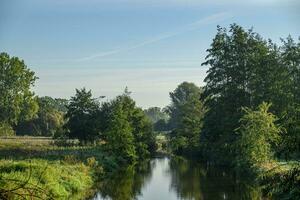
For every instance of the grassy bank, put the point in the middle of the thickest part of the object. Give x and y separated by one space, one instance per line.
40 169
280 180
42 179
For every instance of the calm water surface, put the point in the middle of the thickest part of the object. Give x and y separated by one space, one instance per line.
173 179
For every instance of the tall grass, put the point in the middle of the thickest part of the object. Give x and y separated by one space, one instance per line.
41 179
37 168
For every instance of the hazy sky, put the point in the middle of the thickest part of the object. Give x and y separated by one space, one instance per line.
148 45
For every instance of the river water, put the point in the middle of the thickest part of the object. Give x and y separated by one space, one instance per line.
173 179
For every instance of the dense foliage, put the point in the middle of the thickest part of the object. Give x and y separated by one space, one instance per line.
123 127
155 114
126 129
17 101
258 135
282 182
82 112
246 70
186 113
48 121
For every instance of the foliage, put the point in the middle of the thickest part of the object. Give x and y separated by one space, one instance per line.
246 70
119 135
17 101
38 179
257 135
82 112
186 113
6 130
290 57
49 120
282 182
58 104
161 125
155 114
126 129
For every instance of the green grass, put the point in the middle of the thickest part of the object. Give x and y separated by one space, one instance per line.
43 179
49 170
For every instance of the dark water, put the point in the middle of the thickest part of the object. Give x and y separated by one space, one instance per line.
172 179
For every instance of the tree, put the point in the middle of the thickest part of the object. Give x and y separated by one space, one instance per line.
257 134
82 112
245 70
143 133
186 113
126 128
155 114
290 58
161 125
48 121
119 137
17 101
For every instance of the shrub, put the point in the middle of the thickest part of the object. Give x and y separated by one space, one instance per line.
6 130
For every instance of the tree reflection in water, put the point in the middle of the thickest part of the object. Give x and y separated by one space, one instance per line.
186 179
193 180
127 183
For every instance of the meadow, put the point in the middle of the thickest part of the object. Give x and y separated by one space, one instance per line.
39 168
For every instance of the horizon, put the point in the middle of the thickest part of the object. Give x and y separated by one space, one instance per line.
151 47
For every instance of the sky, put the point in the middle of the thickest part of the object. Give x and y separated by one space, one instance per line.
150 46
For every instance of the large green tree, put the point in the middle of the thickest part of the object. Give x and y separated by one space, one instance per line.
126 129
118 135
290 58
186 114
17 101
82 112
244 70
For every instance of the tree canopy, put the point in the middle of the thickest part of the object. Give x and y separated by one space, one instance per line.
186 114
82 113
17 101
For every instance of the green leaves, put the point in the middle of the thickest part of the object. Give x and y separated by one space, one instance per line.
17 101
186 113
257 136
127 130
82 116
244 71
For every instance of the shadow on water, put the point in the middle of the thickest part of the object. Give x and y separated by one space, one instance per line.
172 179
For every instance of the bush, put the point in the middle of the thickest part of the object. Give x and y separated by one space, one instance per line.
6 130
258 133
282 182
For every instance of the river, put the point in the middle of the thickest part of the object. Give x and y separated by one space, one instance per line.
173 179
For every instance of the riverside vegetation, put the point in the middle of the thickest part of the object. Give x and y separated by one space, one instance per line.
246 116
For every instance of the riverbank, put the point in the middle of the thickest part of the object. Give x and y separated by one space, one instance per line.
43 179
37 169
280 180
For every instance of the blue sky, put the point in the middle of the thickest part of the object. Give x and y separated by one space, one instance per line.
148 45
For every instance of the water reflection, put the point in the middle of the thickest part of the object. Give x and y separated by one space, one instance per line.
127 183
172 179
192 180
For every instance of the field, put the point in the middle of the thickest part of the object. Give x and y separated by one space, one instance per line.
39 168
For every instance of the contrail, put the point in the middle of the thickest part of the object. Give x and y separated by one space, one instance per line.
218 17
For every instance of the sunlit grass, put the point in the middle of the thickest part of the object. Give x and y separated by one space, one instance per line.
43 179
